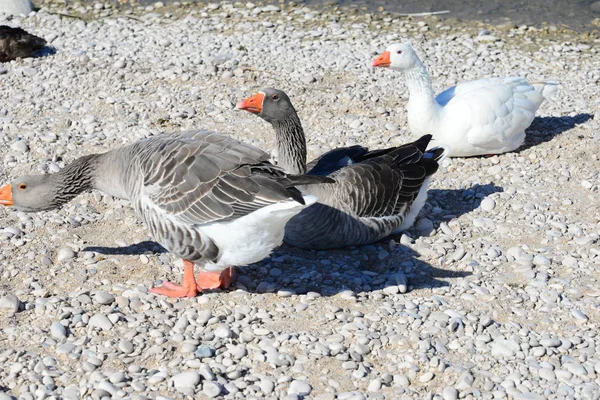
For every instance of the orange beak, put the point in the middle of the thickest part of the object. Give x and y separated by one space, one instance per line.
253 104
6 195
382 61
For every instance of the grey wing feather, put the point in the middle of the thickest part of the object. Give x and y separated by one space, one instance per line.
382 184
201 177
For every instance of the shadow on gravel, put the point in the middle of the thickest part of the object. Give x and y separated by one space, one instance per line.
544 129
133 249
329 272
46 51
360 269
456 202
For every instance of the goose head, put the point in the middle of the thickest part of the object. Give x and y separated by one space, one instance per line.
35 193
399 57
270 104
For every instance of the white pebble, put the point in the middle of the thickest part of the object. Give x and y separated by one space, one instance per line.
10 303
223 332
299 387
65 253
185 380
100 321
488 204
58 331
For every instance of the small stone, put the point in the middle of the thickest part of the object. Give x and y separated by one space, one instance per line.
595 6
104 298
126 346
529 396
424 226
579 315
374 385
401 281
204 351
186 380
20 146
65 253
426 377
117 377
223 332
541 260
449 393
547 374
299 387
266 386
505 348
204 316
119 64
362 349
10 303
488 204
212 389
58 331
308 79
100 321
548 342
570 261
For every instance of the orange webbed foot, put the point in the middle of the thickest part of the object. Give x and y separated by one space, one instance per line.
188 288
213 280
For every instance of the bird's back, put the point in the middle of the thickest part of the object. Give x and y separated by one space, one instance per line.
18 43
370 199
488 116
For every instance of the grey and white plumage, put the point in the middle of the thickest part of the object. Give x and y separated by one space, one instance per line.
17 43
205 197
375 193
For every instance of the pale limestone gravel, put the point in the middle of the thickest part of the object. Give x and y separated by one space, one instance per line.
494 293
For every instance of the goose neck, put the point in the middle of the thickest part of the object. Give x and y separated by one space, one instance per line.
77 177
418 82
291 144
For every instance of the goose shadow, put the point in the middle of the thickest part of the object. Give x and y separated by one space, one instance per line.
544 129
357 268
45 51
327 272
446 204
145 247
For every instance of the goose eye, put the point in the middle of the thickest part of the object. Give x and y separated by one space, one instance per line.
275 97
22 186
399 52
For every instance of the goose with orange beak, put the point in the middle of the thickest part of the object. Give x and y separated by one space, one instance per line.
208 198
374 193
482 117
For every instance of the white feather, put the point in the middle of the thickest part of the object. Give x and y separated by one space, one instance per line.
251 238
486 116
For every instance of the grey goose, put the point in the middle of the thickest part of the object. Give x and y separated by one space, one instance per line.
205 197
17 43
375 193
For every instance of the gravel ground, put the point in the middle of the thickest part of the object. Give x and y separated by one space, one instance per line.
493 294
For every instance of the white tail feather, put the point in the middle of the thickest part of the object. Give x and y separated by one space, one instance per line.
547 89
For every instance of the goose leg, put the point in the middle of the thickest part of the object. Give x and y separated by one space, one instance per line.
214 280
188 288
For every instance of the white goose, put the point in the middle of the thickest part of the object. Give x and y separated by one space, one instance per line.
486 116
